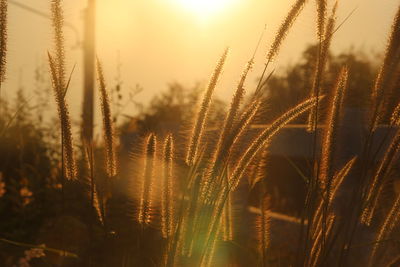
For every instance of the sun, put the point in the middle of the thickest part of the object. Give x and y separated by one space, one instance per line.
205 8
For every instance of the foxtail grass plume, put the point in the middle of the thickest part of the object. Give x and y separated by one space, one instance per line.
145 205
321 18
379 178
320 67
58 21
232 138
237 131
395 119
263 230
318 244
227 219
66 134
388 73
327 200
208 258
340 176
284 29
108 127
242 124
221 150
391 221
200 121
3 39
264 137
89 173
167 212
329 31
60 87
330 135
225 141
278 40
261 168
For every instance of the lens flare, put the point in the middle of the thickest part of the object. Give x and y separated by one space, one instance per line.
205 8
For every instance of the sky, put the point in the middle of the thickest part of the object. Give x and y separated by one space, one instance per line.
158 42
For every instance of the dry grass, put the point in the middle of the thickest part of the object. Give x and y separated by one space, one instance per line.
3 39
108 128
60 87
196 217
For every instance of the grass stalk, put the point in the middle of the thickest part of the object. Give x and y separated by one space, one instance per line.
108 128
146 205
199 124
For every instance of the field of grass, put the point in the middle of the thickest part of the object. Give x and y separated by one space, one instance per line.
201 197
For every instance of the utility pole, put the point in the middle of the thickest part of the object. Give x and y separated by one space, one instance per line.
89 71
88 61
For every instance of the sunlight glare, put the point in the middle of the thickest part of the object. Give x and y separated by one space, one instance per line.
204 8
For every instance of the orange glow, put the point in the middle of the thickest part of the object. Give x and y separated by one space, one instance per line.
205 8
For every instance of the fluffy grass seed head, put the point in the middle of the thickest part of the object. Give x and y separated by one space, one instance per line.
145 205
395 119
65 121
284 28
264 137
201 118
57 22
321 17
224 142
330 135
321 65
263 229
108 127
167 211
3 38
384 82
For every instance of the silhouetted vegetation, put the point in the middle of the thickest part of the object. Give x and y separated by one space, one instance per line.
300 172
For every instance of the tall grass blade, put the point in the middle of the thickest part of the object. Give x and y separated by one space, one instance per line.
265 136
3 39
167 212
322 58
330 135
200 121
108 127
145 205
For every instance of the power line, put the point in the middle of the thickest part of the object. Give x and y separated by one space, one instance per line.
88 47
47 16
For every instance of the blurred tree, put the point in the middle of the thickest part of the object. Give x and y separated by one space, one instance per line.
172 111
27 171
285 90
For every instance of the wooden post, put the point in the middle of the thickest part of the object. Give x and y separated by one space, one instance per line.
89 71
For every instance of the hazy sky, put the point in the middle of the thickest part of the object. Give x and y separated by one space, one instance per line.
162 41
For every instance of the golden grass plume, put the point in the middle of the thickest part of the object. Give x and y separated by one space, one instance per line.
167 212
387 76
3 38
58 21
264 137
60 87
284 28
263 230
108 127
320 67
222 146
387 226
379 178
321 17
200 121
145 205
331 128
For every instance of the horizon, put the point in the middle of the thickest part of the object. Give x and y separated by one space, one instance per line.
159 42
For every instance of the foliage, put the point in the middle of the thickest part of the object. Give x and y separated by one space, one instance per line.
188 187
